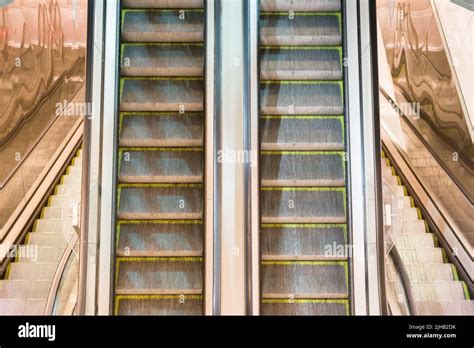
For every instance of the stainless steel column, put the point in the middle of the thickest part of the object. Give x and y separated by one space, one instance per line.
231 156
211 269
109 151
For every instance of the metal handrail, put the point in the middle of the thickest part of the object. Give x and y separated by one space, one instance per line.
406 283
446 233
58 275
21 220
86 164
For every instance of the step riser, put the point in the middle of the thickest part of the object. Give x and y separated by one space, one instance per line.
300 6
160 203
285 206
159 277
321 281
164 4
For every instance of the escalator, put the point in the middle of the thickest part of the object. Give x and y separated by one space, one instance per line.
435 283
159 229
29 279
302 159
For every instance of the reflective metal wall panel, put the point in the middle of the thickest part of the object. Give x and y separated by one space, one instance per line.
425 85
42 69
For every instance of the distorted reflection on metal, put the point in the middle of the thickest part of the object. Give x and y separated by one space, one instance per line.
424 83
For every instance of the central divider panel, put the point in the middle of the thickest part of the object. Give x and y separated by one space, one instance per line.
160 193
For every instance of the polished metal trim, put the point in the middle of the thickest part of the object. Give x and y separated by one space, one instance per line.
252 184
211 278
97 77
246 166
231 168
406 283
109 154
58 276
375 264
217 143
355 158
86 160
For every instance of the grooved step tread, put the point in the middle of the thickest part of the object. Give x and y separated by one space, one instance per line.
296 307
421 255
446 307
304 134
303 242
162 3
304 280
426 272
160 239
438 290
162 60
156 166
312 98
161 130
149 276
52 239
13 306
303 206
164 305
160 202
39 254
300 64
31 270
300 5
302 169
142 94
312 29
162 26
24 289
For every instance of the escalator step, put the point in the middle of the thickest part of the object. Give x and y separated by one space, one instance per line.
55 225
301 98
301 205
303 29
146 201
304 307
302 133
414 240
303 242
421 255
162 3
32 270
300 64
141 94
438 290
162 60
426 272
446 307
151 165
49 239
300 5
161 130
159 305
152 276
24 289
302 169
40 254
409 226
160 239
162 26
22 306
322 279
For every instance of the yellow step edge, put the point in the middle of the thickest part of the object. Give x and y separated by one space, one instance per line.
158 259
